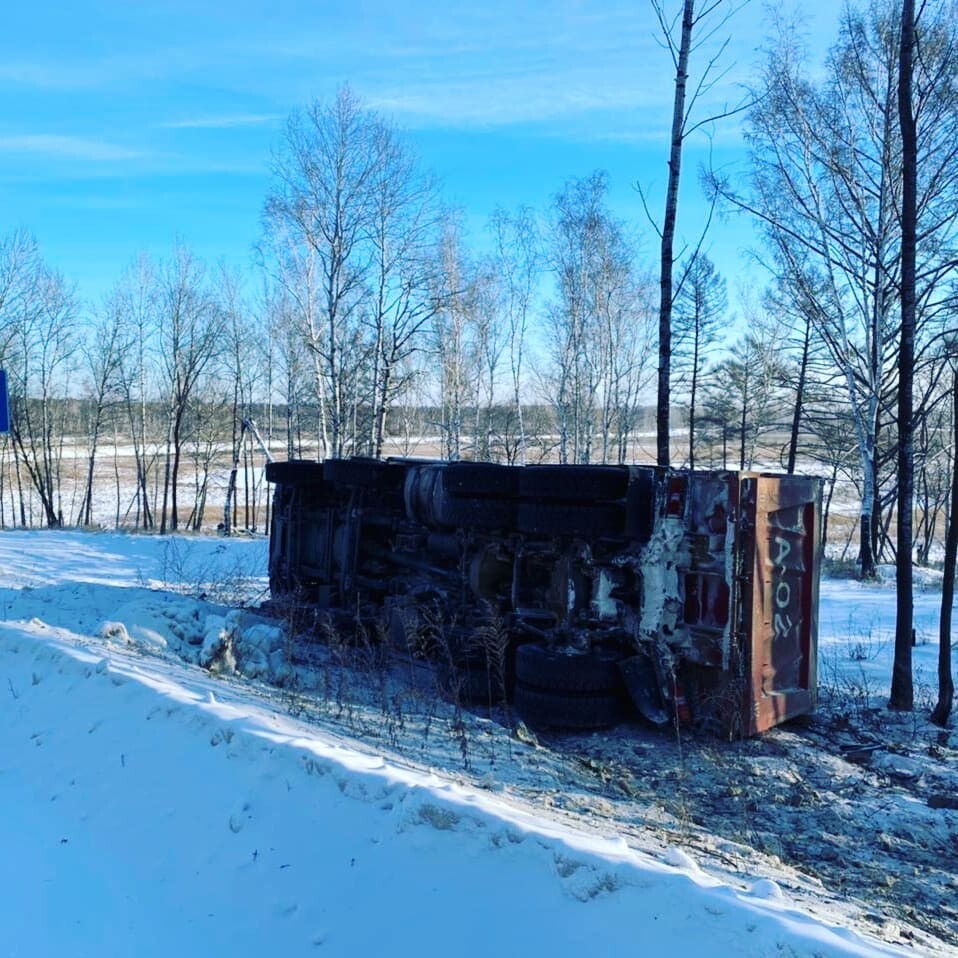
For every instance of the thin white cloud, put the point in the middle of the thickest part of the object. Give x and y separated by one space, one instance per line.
514 97
52 76
96 203
142 63
224 122
636 93
145 166
66 147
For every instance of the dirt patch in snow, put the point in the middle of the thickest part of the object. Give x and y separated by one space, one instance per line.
829 811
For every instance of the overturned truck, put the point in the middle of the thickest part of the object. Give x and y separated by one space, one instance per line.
580 594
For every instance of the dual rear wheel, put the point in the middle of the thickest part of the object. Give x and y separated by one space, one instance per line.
566 689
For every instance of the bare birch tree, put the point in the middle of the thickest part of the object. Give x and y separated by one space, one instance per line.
683 33
353 223
135 295
404 236
190 336
102 355
451 342
245 363
590 324
43 343
517 262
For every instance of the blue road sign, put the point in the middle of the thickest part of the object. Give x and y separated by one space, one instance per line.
4 404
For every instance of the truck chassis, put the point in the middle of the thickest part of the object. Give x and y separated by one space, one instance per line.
581 594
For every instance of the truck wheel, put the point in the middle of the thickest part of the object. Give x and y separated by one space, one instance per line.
597 519
358 471
470 513
539 709
574 483
480 479
295 471
547 669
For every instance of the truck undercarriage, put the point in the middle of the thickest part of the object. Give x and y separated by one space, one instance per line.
581 594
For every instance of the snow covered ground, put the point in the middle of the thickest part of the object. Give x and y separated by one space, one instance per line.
153 806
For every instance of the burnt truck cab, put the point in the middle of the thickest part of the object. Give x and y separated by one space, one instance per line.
579 593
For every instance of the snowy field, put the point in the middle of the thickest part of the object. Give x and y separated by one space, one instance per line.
159 797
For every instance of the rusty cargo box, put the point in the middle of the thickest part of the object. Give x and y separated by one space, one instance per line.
581 594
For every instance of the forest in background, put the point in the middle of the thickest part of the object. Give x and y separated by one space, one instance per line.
371 318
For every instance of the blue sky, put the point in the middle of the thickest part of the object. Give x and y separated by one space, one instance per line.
128 125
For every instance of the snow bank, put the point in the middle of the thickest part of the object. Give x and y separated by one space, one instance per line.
153 811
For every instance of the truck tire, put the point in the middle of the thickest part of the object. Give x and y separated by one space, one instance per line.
539 709
597 519
480 480
547 669
470 513
294 472
574 483
358 471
